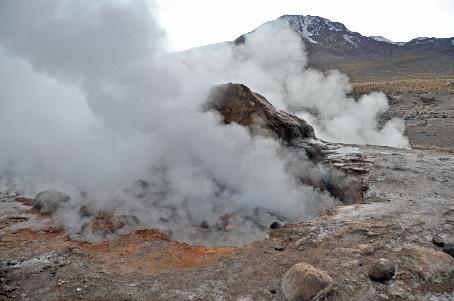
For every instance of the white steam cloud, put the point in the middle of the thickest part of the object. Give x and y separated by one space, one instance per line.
273 63
90 102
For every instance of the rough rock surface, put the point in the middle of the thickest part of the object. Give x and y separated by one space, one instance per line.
382 270
237 103
49 201
429 264
304 282
449 249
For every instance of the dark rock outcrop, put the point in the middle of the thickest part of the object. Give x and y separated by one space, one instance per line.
237 103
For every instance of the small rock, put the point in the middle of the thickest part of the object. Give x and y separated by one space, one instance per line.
449 249
382 270
49 201
303 282
275 225
273 291
84 211
397 291
366 249
372 234
205 225
9 288
300 242
438 241
279 248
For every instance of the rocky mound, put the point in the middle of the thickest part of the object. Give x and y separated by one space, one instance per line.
237 103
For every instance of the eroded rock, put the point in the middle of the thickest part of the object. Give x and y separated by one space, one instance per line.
427 263
238 104
304 282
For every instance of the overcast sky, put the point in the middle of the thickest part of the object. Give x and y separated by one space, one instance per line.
191 23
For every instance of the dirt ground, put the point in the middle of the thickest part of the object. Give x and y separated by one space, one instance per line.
410 199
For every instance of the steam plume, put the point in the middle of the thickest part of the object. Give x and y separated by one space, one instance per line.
91 102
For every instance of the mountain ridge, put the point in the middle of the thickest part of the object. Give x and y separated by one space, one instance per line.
331 45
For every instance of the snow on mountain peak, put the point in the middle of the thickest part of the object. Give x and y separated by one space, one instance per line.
381 39
309 27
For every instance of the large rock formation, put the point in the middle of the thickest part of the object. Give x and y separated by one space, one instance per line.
237 103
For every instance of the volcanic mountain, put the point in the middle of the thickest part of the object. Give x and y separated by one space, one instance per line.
331 45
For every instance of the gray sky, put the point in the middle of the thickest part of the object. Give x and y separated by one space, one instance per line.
191 23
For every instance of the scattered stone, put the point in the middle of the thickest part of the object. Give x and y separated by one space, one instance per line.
204 225
275 225
84 211
366 249
105 223
397 291
49 201
438 241
304 282
449 249
382 270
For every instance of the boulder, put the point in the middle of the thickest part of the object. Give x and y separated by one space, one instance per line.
275 225
48 201
429 264
304 282
238 104
382 270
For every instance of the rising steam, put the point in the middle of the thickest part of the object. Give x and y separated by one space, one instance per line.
91 103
